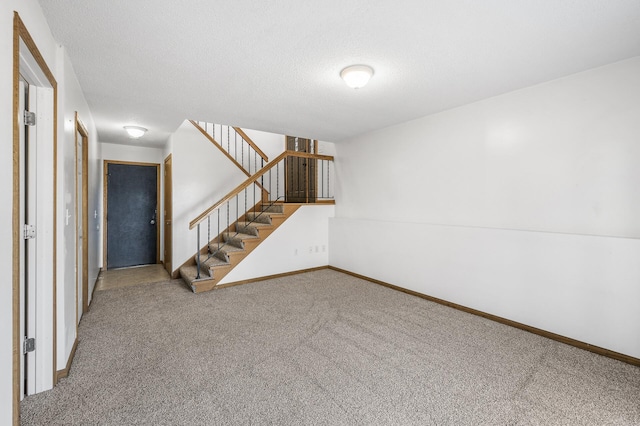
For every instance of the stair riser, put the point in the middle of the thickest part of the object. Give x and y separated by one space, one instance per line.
251 230
259 218
229 240
276 208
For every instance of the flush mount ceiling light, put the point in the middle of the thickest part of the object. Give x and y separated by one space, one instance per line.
135 132
356 76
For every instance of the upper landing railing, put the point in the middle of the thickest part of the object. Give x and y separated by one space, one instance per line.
234 143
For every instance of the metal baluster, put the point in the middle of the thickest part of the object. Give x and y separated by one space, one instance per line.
261 186
218 229
208 233
228 140
328 173
270 184
325 190
322 176
198 255
304 183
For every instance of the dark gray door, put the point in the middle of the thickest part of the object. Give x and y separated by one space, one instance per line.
132 202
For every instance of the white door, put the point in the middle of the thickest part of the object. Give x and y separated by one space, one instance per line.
35 165
28 276
79 227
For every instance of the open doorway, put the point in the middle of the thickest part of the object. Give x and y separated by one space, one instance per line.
34 219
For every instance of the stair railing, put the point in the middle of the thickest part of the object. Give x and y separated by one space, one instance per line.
258 194
235 143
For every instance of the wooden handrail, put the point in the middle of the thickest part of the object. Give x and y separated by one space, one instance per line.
251 143
202 216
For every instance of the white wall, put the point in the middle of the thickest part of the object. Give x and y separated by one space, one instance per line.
202 175
70 99
301 242
134 154
96 210
271 144
524 205
6 200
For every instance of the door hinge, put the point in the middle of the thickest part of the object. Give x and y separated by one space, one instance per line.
29 345
29 118
29 232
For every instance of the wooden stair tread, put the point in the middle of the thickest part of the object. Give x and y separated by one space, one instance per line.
256 224
240 235
225 248
190 272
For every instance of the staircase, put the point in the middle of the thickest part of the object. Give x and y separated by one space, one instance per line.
229 248
235 225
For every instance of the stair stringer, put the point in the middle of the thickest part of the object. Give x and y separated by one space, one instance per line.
203 285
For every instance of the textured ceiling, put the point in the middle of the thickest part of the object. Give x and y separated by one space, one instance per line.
274 65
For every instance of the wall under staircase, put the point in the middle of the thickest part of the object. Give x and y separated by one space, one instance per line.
291 248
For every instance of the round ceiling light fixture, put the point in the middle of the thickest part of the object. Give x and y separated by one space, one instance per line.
135 132
356 76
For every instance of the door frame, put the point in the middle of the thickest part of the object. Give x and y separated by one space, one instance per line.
167 218
83 222
105 187
25 49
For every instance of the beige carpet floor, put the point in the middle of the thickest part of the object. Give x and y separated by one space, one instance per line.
321 348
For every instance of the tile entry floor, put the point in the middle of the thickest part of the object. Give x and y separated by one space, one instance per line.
126 277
